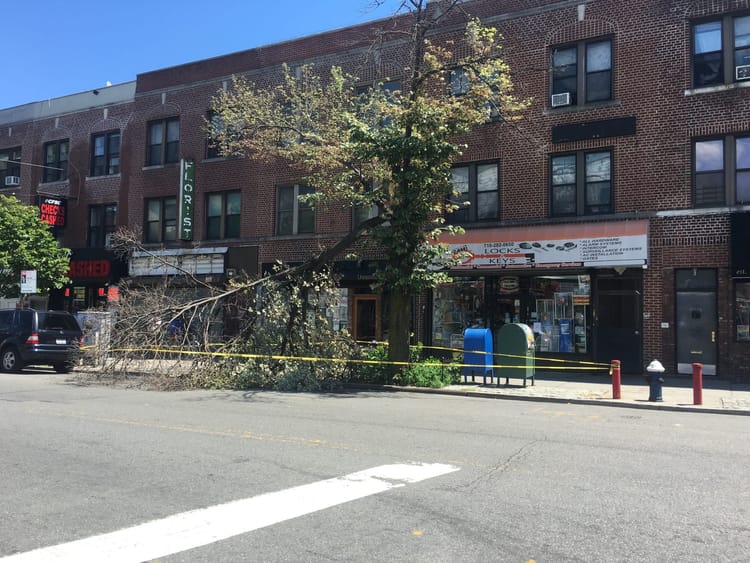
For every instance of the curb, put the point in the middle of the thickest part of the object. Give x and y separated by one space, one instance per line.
571 401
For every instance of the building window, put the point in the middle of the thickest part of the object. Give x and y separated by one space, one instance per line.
215 123
56 161
163 141
10 167
294 216
581 183
105 154
582 73
161 219
223 215
459 82
742 311
475 191
721 51
102 220
721 171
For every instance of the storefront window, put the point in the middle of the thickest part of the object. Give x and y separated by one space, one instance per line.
742 311
560 319
456 307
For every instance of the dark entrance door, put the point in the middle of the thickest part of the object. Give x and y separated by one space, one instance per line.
696 320
366 316
617 317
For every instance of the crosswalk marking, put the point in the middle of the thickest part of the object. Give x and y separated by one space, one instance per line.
204 526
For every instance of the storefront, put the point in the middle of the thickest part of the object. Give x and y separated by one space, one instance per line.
94 274
578 286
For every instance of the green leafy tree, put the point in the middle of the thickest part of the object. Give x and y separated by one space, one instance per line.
384 149
27 244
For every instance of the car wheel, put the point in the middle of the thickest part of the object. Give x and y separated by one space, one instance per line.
10 360
64 367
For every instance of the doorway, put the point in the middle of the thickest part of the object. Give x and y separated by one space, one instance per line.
695 311
366 318
618 313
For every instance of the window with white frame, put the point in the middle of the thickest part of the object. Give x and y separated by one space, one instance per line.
161 219
105 154
581 183
56 161
721 50
163 141
223 215
721 171
294 216
475 192
582 73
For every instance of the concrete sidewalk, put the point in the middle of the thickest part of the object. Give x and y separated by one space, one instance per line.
718 395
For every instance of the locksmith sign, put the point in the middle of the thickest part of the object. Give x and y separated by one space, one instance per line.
187 199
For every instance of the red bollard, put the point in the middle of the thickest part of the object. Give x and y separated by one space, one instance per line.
697 384
616 379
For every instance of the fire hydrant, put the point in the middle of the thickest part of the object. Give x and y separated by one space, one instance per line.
655 380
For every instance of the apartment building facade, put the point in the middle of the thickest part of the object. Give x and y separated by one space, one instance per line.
612 218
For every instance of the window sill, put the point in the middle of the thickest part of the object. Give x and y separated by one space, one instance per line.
160 166
581 107
55 183
102 176
717 88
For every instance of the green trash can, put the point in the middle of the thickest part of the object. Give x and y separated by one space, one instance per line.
514 349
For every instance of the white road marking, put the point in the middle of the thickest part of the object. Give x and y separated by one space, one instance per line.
197 528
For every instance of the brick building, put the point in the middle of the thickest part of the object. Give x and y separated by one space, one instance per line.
611 219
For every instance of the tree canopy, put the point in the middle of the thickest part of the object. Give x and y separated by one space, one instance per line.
27 244
384 149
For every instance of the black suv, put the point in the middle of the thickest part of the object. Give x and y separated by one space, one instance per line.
31 337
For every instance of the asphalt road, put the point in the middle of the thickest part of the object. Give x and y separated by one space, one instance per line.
529 481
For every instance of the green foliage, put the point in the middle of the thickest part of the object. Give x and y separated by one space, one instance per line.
27 244
421 372
383 149
286 341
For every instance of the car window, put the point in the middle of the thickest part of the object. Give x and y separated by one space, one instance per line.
6 319
57 321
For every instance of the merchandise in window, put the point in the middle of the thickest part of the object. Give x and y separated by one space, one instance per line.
742 311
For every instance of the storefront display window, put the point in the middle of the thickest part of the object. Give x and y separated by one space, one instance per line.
456 307
742 311
560 317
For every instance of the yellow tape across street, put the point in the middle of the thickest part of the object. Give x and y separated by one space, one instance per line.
574 366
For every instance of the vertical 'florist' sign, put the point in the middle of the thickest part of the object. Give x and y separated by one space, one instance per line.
187 199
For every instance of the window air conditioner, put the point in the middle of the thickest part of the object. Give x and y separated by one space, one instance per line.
12 181
559 100
742 72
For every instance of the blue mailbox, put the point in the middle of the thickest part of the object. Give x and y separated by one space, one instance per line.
477 353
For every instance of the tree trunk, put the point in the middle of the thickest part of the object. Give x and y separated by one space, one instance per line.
398 326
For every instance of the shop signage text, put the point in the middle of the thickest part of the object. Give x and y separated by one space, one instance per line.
52 211
603 247
187 199
89 269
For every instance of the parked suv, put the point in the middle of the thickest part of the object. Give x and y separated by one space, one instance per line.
31 337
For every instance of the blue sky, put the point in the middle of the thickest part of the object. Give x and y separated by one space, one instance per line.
58 48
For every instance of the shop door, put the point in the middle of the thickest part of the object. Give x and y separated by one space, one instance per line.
366 317
618 325
696 331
